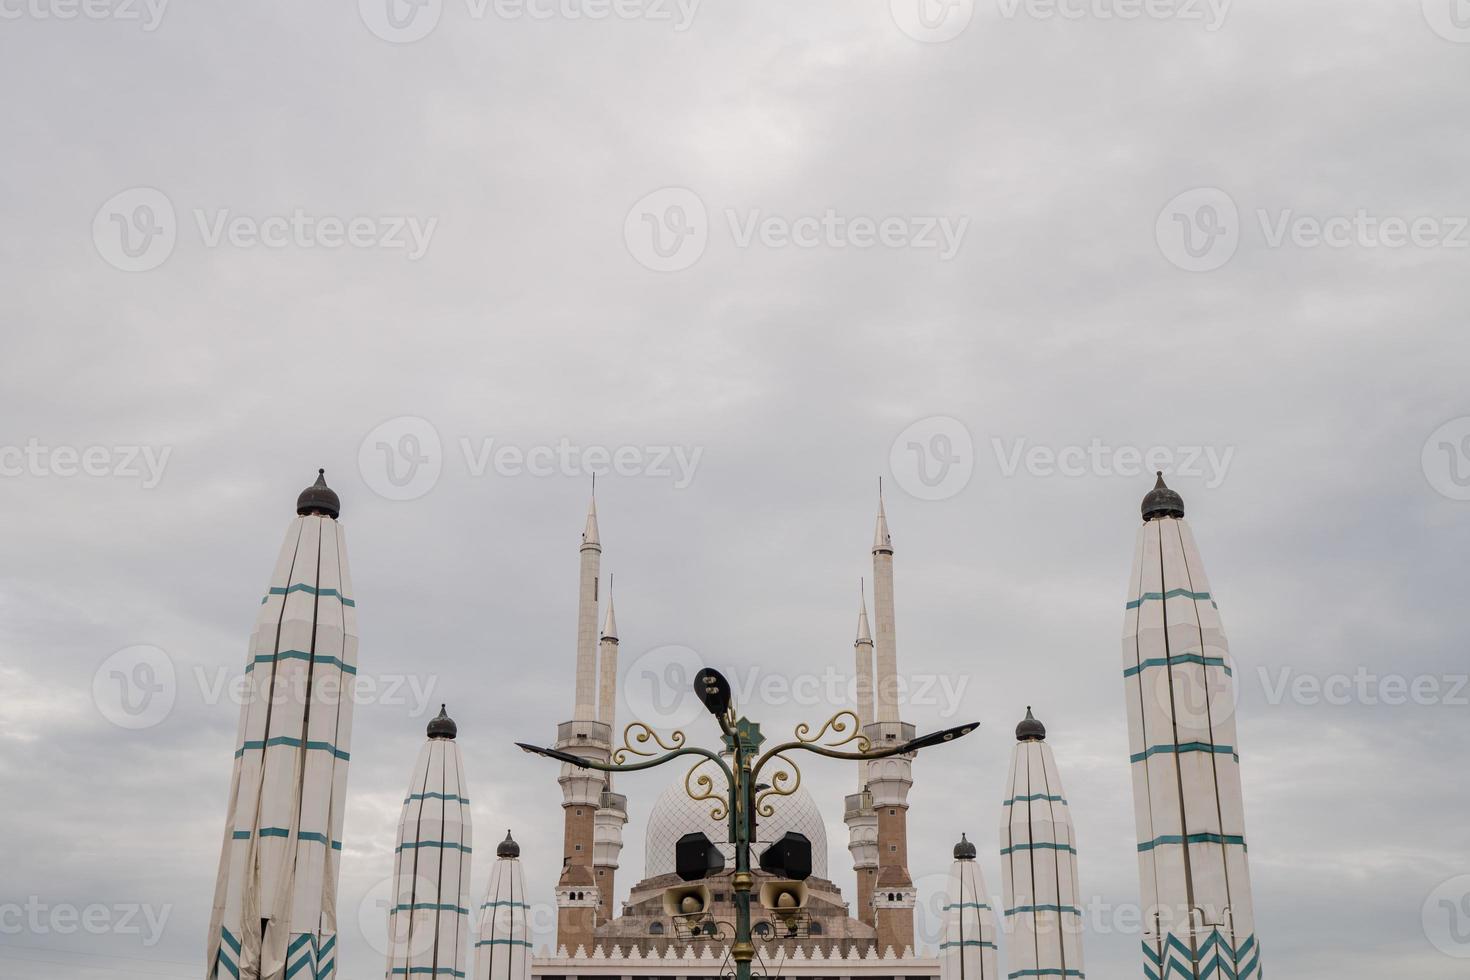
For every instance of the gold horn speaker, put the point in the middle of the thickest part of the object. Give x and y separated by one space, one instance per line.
686 900
783 896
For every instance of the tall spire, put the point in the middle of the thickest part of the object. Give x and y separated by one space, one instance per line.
886 645
610 621
858 812
502 934
882 541
967 945
428 924
591 562
889 781
607 655
275 905
1038 861
864 634
863 674
1192 862
612 808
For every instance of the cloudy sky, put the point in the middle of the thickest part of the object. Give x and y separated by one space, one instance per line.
744 258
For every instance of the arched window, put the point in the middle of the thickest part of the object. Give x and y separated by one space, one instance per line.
655 928
815 928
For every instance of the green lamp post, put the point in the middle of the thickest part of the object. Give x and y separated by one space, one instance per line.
745 797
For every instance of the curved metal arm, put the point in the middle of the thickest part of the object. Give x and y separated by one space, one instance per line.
652 763
823 750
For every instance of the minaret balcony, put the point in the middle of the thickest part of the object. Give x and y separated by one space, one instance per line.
595 737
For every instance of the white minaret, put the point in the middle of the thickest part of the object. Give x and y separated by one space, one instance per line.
862 648
967 951
1193 871
886 648
503 938
607 656
861 818
1038 860
612 808
890 779
591 560
428 924
275 901
579 902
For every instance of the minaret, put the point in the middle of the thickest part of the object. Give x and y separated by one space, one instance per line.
967 950
275 910
576 891
889 780
503 937
1038 861
861 818
1193 871
612 808
429 922
587 595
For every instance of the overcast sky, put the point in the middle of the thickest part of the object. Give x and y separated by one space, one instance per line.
757 254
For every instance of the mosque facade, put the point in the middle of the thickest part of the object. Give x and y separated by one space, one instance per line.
275 916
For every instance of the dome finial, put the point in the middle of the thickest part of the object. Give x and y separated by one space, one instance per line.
1162 502
508 848
964 850
1030 730
443 726
319 498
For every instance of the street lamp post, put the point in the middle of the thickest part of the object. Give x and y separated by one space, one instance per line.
745 796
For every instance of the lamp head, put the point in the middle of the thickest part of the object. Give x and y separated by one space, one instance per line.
939 738
713 691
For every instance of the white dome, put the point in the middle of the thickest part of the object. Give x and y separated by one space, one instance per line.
675 815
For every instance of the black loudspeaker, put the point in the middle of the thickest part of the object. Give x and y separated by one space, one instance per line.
695 857
790 857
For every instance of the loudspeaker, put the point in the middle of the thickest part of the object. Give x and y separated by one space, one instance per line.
683 900
695 857
790 857
783 896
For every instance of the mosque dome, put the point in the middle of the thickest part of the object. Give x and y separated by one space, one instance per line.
675 814
1030 730
1162 502
443 726
319 498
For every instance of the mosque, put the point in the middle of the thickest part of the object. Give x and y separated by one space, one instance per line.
274 914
